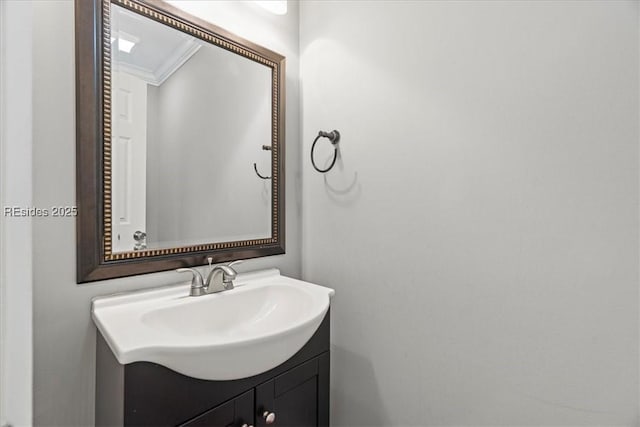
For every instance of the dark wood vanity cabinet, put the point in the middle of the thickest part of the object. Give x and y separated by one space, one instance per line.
236 412
296 393
299 397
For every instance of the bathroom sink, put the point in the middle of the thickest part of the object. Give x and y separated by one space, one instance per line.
228 335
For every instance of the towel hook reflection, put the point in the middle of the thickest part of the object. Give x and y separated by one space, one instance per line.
255 167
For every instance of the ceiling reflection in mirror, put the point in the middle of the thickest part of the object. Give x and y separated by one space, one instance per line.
191 134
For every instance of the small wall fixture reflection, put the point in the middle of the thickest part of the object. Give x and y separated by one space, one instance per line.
279 7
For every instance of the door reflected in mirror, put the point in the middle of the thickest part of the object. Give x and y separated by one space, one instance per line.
189 120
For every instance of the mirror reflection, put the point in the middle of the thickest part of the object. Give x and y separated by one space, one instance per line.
189 120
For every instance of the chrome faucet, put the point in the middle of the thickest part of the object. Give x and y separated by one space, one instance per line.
220 279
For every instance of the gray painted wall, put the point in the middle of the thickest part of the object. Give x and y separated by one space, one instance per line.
485 256
64 336
16 177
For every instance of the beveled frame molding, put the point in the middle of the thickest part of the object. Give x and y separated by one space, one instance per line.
95 259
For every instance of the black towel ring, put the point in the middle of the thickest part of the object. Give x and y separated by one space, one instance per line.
334 137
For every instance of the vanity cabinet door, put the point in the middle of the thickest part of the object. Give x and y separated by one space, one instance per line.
299 397
235 413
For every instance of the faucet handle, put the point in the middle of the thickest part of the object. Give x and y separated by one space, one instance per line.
229 274
232 263
196 279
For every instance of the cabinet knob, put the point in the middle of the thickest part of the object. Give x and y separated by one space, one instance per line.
269 417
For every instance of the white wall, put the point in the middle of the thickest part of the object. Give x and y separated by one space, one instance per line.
485 256
64 336
16 370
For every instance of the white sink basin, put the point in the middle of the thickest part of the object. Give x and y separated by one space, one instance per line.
229 335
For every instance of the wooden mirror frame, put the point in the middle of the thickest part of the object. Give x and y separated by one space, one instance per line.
95 261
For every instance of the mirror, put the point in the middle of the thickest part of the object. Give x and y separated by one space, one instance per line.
189 119
179 141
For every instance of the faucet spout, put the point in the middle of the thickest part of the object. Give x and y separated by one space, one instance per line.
220 279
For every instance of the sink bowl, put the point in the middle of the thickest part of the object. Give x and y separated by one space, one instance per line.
229 335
